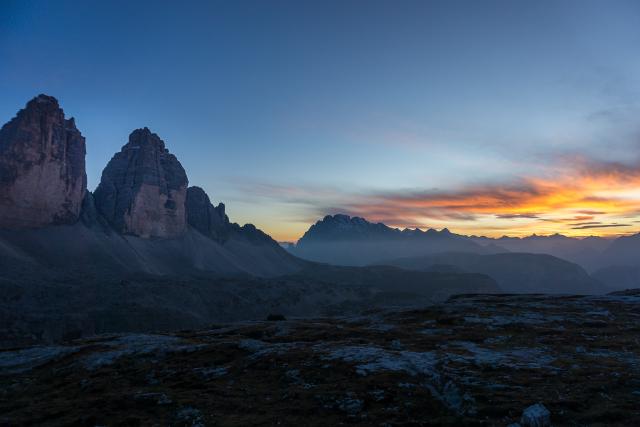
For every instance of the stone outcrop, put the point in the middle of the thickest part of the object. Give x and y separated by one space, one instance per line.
213 222
203 216
143 189
42 167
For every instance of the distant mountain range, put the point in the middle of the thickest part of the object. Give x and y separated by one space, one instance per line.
345 240
584 251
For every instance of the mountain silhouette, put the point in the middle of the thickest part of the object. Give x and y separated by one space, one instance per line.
345 240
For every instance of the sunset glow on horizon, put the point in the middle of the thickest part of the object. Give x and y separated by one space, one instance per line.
587 199
488 118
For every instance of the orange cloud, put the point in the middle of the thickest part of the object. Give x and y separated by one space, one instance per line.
608 192
578 197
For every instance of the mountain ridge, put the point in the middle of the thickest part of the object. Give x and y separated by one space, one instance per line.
591 252
344 240
138 216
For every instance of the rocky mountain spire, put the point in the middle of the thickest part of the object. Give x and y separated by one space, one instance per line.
213 222
204 217
42 167
143 189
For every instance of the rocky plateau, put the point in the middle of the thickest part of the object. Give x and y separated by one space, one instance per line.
477 360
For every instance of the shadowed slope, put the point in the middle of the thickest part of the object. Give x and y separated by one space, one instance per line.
514 272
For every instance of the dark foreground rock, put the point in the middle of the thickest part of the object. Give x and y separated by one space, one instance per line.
474 360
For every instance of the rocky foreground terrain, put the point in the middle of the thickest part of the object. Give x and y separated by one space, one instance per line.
473 360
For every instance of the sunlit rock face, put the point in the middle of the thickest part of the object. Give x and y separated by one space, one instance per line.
143 189
42 167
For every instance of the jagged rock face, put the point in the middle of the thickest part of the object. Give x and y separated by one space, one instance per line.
204 217
143 189
345 240
213 222
42 167
343 227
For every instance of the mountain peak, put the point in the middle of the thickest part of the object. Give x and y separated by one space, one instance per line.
204 217
143 188
144 138
39 150
43 99
349 240
342 218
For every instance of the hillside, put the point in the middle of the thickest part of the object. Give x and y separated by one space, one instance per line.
514 272
47 308
624 250
587 252
619 276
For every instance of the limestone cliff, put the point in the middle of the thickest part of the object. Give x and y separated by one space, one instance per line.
42 167
143 189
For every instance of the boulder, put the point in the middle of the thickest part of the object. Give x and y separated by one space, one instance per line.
536 416
42 167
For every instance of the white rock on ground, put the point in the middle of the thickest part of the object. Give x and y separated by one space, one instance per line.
536 416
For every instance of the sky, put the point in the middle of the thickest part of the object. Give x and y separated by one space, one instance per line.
486 117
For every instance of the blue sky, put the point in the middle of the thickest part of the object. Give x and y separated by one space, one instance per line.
287 111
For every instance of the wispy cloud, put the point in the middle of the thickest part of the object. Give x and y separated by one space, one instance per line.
519 216
582 194
586 227
581 224
588 212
